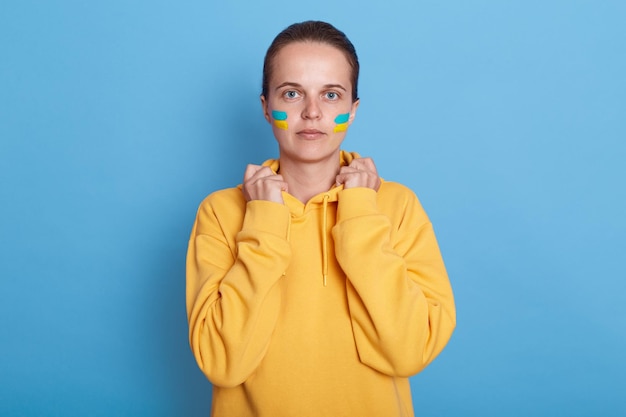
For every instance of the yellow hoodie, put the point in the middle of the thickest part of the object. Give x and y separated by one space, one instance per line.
317 309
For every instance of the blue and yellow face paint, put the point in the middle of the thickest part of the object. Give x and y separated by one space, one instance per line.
280 119
342 122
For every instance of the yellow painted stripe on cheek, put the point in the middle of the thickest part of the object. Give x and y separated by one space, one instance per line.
281 124
341 127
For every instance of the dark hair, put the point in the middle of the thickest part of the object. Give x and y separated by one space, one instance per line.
312 31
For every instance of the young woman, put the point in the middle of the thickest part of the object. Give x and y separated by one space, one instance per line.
314 288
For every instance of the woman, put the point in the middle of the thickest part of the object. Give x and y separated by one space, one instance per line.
315 288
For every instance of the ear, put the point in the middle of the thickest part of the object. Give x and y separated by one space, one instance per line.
266 112
355 105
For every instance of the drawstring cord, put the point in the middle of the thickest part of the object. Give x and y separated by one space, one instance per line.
324 240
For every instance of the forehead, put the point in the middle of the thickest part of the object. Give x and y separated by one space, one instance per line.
311 61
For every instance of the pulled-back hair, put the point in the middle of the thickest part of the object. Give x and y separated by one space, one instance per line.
312 31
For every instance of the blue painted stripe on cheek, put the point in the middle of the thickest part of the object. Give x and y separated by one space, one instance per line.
342 118
279 115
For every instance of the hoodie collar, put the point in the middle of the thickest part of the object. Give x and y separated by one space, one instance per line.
345 158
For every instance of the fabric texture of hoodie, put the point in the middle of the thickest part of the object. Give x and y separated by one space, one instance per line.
317 309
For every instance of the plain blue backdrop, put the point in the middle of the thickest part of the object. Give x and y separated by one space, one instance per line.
117 118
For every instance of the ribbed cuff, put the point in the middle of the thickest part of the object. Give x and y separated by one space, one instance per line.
356 202
267 216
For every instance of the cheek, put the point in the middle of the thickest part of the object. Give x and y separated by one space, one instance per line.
280 119
341 122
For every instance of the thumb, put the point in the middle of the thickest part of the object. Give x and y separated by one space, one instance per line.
251 169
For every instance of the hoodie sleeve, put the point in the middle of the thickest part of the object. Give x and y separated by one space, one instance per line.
400 300
234 264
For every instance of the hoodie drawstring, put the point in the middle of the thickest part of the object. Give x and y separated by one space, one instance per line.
325 240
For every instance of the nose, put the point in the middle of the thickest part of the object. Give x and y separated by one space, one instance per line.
311 109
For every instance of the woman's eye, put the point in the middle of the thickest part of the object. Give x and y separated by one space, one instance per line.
291 94
331 95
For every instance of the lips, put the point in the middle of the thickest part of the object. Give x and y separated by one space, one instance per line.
310 133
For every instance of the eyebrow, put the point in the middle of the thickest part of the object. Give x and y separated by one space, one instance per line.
326 86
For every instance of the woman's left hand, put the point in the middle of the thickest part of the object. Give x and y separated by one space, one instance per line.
360 173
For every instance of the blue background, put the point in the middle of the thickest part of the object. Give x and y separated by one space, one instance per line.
507 118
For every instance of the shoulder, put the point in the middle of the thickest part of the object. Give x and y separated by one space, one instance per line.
225 203
397 194
226 198
395 189
401 203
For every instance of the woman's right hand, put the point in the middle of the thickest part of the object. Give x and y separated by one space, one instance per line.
260 183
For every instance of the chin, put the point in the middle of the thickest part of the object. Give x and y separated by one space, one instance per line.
310 155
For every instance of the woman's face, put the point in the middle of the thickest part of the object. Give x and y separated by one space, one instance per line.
309 101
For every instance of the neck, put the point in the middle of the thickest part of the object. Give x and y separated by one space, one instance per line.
306 180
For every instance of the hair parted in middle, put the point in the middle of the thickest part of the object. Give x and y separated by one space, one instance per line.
312 31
